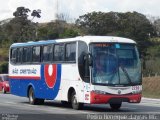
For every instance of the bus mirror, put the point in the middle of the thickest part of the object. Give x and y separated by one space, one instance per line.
90 60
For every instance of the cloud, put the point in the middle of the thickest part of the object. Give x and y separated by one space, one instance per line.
75 8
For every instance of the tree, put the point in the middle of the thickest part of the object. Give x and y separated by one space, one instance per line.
53 31
68 33
22 29
156 24
36 13
98 23
21 12
131 25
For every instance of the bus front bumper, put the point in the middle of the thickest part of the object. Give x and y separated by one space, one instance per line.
107 98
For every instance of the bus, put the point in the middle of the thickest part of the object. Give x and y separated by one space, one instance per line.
77 71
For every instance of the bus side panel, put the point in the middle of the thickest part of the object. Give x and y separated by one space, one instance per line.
19 87
16 88
41 86
43 89
71 79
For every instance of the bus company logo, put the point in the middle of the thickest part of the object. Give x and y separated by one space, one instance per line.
119 92
50 72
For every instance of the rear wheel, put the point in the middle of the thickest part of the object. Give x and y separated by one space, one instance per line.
115 106
3 90
32 99
74 102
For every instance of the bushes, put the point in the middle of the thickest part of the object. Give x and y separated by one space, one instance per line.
4 67
151 87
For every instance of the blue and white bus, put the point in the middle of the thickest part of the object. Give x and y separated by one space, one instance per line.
80 70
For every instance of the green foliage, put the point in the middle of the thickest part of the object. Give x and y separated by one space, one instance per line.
98 23
36 13
21 12
152 61
3 54
18 29
57 29
131 25
4 67
153 52
68 33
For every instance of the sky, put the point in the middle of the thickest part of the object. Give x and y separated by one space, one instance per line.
72 9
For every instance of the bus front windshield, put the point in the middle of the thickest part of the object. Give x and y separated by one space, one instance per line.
115 64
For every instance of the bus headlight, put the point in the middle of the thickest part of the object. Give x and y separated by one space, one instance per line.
137 92
137 89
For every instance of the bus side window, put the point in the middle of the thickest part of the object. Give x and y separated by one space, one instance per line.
70 52
13 55
82 63
19 55
36 54
47 53
59 52
24 59
27 55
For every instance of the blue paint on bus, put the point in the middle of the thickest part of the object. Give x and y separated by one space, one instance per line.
20 86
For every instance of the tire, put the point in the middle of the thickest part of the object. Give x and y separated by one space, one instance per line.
32 99
116 106
75 104
3 90
64 102
40 101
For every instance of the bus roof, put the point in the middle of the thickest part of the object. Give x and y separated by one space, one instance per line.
87 39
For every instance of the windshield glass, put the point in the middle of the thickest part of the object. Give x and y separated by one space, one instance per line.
115 64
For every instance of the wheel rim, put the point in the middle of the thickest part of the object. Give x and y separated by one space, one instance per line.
31 97
74 100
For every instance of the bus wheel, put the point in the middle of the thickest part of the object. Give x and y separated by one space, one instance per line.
40 101
75 104
64 102
115 106
3 90
32 99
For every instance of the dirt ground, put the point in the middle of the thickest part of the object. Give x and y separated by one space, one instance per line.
151 87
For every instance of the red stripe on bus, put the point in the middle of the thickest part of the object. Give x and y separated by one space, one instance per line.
24 77
96 98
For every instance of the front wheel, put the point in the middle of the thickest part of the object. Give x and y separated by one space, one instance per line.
115 106
64 102
74 102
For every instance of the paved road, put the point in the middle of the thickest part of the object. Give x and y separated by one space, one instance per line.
13 106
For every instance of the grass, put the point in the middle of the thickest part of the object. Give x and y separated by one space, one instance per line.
155 39
151 87
3 54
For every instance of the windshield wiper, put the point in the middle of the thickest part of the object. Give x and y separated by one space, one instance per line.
126 74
